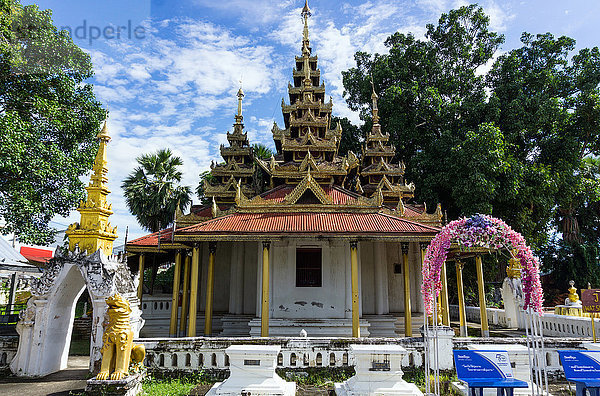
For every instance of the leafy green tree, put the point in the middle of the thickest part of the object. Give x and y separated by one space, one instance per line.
206 175
49 119
352 136
262 151
152 190
430 96
519 143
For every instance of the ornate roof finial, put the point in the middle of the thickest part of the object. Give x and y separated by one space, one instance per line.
240 94
374 98
103 134
305 42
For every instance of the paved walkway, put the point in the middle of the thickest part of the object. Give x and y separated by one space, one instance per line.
61 383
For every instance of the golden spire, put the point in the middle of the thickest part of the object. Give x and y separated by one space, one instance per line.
305 42
94 232
239 117
374 98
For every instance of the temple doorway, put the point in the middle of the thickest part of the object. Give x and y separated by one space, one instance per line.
46 328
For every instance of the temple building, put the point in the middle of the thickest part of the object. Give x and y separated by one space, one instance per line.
307 239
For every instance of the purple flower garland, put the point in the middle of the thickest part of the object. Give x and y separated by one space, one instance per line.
487 232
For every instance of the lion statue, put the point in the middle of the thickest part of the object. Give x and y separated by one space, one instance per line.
118 349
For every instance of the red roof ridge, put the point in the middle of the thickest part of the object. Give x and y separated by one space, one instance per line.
411 221
210 221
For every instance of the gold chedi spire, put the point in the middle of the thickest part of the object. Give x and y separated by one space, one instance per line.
305 41
374 98
94 232
239 117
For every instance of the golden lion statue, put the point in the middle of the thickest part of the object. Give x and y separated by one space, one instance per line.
118 348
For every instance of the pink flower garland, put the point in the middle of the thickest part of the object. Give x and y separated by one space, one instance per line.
487 232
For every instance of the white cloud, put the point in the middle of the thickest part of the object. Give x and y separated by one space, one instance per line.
168 92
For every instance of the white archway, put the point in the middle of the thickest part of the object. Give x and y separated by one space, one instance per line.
45 327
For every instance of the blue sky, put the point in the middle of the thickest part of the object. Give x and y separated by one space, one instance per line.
173 85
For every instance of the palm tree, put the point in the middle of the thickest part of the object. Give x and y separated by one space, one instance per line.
152 190
262 151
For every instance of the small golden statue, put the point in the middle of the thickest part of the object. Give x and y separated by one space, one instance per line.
118 348
573 298
514 268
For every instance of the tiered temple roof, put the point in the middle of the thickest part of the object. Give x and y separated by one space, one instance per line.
239 163
377 172
308 192
308 141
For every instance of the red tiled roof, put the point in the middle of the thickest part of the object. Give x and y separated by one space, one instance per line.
411 211
152 239
36 255
206 211
309 223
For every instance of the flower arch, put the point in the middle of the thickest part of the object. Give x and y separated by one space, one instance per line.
487 232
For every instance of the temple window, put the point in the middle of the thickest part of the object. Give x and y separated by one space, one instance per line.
308 267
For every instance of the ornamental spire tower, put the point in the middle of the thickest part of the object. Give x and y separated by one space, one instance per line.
94 232
378 174
308 142
238 168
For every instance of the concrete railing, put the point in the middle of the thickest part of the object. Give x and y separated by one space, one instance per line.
189 354
156 306
552 325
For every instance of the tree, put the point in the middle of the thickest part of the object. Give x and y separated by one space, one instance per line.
430 96
205 175
152 190
262 151
515 143
352 136
49 119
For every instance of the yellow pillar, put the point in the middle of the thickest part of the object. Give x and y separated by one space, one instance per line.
462 314
210 283
141 277
445 305
184 298
194 292
407 302
485 331
175 298
264 315
355 295
423 246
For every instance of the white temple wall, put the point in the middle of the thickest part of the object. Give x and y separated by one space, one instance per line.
222 276
250 275
396 281
289 301
367 283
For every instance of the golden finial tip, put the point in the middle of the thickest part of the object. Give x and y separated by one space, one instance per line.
104 132
306 9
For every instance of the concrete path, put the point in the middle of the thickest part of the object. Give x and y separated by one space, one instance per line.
62 383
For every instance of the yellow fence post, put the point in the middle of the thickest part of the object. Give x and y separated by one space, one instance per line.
185 297
407 302
445 305
264 316
210 284
355 293
140 289
461 299
485 330
194 291
175 298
